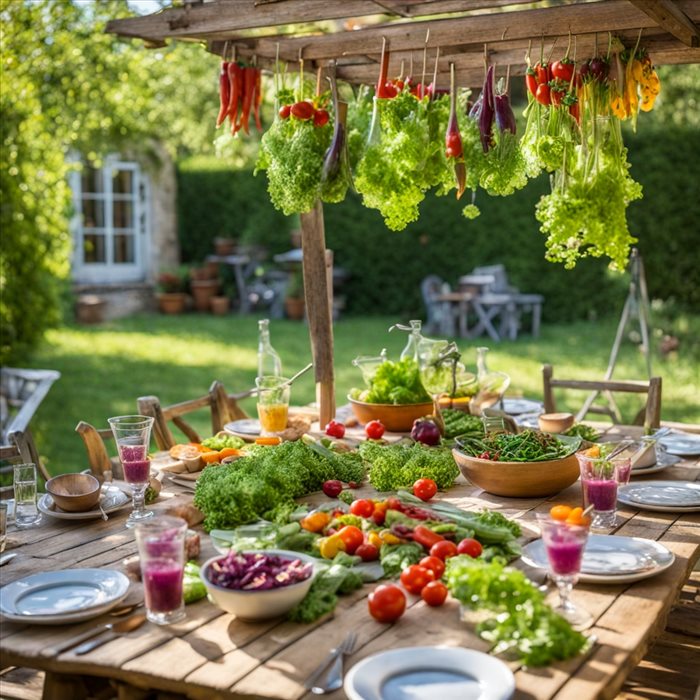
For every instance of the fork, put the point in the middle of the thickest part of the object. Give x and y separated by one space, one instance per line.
333 678
330 670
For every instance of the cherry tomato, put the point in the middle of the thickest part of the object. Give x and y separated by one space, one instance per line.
335 429
415 577
352 537
434 593
563 69
424 489
367 552
444 550
362 507
471 547
285 111
374 430
379 514
437 566
559 512
394 503
387 603
542 95
321 117
302 110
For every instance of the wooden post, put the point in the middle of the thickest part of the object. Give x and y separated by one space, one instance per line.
318 308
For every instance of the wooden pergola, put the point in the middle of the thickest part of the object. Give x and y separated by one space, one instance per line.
465 31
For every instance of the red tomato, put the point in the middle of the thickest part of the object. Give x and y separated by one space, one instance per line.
374 430
302 110
434 593
352 537
444 550
424 489
542 95
437 566
563 69
471 547
321 117
415 577
284 111
362 507
394 503
387 603
335 429
367 552
379 514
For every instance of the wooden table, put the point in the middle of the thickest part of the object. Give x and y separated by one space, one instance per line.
212 655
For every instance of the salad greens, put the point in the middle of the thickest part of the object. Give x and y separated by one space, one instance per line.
221 441
394 383
528 446
585 432
523 622
243 491
395 558
400 465
461 423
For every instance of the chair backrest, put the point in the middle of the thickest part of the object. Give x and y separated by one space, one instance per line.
500 276
221 406
20 449
430 287
649 415
98 458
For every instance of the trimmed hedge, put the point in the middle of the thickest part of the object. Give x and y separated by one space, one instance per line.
386 268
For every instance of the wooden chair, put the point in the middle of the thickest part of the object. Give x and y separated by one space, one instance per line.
99 461
223 407
440 314
649 415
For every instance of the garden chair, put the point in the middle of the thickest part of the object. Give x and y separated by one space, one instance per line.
223 407
101 464
649 416
440 314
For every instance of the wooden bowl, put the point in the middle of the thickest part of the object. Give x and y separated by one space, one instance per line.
74 493
555 422
518 479
397 418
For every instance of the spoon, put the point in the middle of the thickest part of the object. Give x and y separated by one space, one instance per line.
111 631
5 558
113 628
125 610
253 392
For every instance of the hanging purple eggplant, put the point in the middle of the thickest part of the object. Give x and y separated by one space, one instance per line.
335 176
505 119
487 110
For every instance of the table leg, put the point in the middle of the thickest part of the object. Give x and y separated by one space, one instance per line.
58 686
463 321
484 322
536 315
240 285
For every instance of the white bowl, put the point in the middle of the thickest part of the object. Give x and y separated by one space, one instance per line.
259 605
645 455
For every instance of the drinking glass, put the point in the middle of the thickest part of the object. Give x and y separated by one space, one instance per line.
600 478
564 544
273 404
24 481
161 544
133 436
3 526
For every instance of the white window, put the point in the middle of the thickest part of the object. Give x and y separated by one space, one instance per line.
111 223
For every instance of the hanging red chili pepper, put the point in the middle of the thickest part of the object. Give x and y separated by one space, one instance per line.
385 89
248 95
224 94
236 84
257 100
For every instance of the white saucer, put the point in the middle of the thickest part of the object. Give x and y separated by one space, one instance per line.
662 496
113 501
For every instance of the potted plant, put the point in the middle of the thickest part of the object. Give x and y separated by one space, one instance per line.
203 287
219 305
224 246
294 304
171 292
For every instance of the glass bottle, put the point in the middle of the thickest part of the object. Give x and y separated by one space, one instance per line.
269 363
415 336
481 368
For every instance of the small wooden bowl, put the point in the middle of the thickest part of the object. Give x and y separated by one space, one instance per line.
397 418
518 479
74 493
555 422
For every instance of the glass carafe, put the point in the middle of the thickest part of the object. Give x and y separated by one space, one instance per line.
414 338
269 363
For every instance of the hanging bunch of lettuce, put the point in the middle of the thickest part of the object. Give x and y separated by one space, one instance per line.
293 149
504 168
359 122
389 176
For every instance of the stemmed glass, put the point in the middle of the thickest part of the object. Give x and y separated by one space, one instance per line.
133 436
564 544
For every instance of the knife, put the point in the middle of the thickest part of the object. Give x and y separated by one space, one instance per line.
125 625
113 631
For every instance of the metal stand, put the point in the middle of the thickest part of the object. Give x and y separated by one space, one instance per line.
636 308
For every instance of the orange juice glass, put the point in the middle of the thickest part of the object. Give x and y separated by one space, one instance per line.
273 404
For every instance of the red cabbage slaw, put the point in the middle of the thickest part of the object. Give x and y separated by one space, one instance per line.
257 571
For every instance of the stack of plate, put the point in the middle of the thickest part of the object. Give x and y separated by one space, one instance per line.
60 597
113 498
663 496
611 559
681 444
663 461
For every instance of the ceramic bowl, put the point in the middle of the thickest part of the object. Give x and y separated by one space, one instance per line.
518 479
555 422
74 493
259 605
397 418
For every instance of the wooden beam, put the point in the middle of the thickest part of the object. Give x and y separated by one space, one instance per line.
318 311
671 18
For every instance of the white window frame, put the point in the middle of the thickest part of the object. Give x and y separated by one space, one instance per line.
109 272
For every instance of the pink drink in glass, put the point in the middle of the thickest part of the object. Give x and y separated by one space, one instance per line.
565 555
135 462
601 493
599 479
162 582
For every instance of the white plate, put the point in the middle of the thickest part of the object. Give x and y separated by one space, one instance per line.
611 558
57 597
528 420
246 428
112 501
430 673
682 444
663 461
664 496
515 407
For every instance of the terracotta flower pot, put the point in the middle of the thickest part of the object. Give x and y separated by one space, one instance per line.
172 302
224 246
294 308
203 291
219 305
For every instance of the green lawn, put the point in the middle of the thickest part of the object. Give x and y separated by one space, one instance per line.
104 368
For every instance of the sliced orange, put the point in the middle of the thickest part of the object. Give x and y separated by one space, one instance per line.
189 451
272 440
229 452
559 512
210 457
576 517
593 452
